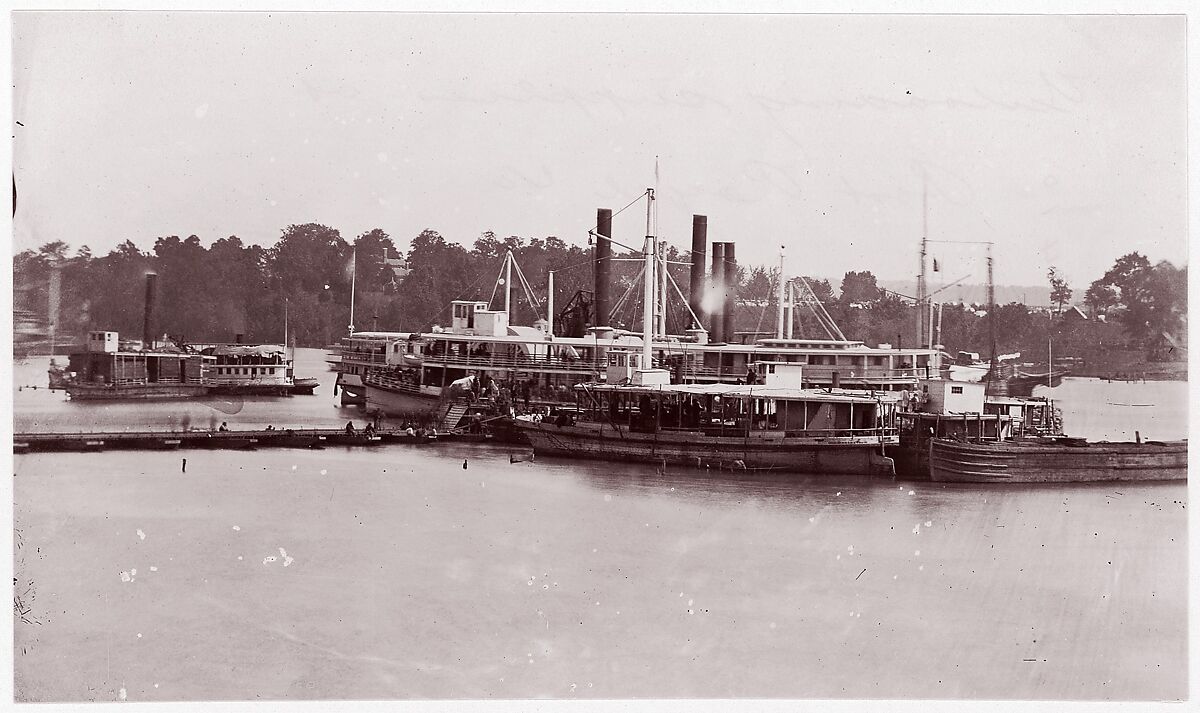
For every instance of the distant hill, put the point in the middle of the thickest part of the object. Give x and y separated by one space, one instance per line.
1031 295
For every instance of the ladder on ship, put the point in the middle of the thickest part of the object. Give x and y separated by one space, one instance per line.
454 413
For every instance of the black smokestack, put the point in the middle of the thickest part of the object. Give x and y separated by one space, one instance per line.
699 253
603 266
717 326
148 326
730 285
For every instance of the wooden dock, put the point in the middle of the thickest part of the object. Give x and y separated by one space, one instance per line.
313 438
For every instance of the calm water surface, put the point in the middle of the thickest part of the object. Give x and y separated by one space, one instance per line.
400 573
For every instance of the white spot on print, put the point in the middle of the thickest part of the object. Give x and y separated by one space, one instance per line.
141 535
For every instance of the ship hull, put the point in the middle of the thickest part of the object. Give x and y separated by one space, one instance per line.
1028 462
136 392
832 456
350 389
402 404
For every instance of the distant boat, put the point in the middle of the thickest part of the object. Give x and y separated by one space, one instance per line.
1055 460
1023 382
333 356
251 370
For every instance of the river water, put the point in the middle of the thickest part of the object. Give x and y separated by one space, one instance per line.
470 571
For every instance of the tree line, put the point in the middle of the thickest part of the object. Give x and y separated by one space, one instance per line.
211 294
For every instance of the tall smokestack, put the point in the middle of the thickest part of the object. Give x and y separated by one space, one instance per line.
730 285
717 298
699 253
148 327
603 266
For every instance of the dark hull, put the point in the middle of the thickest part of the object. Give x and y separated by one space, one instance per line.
1033 462
799 455
1022 385
135 392
304 387
911 463
357 439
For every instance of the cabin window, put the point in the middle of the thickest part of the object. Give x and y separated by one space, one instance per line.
956 389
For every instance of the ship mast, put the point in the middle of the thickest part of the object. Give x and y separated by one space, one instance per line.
782 291
921 297
508 283
353 271
991 298
649 255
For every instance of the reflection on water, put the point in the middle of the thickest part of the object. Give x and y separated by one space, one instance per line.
410 576
1119 410
454 572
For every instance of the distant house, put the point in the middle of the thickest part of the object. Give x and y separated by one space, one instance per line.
1073 314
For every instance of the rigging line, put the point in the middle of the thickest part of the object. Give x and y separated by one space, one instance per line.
679 292
592 260
952 284
767 302
614 215
813 304
499 279
827 322
446 307
610 238
533 302
637 281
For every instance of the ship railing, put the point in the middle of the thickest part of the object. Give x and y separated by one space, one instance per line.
502 361
383 379
244 380
364 358
743 430
818 372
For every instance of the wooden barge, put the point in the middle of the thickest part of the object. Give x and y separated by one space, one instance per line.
1055 460
225 440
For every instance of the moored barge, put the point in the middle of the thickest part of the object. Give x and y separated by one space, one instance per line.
1055 460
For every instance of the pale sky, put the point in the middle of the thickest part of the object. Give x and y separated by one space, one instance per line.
1061 139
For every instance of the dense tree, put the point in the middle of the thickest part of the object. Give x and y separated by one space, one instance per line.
859 288
1060 291
210 294
1148 300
